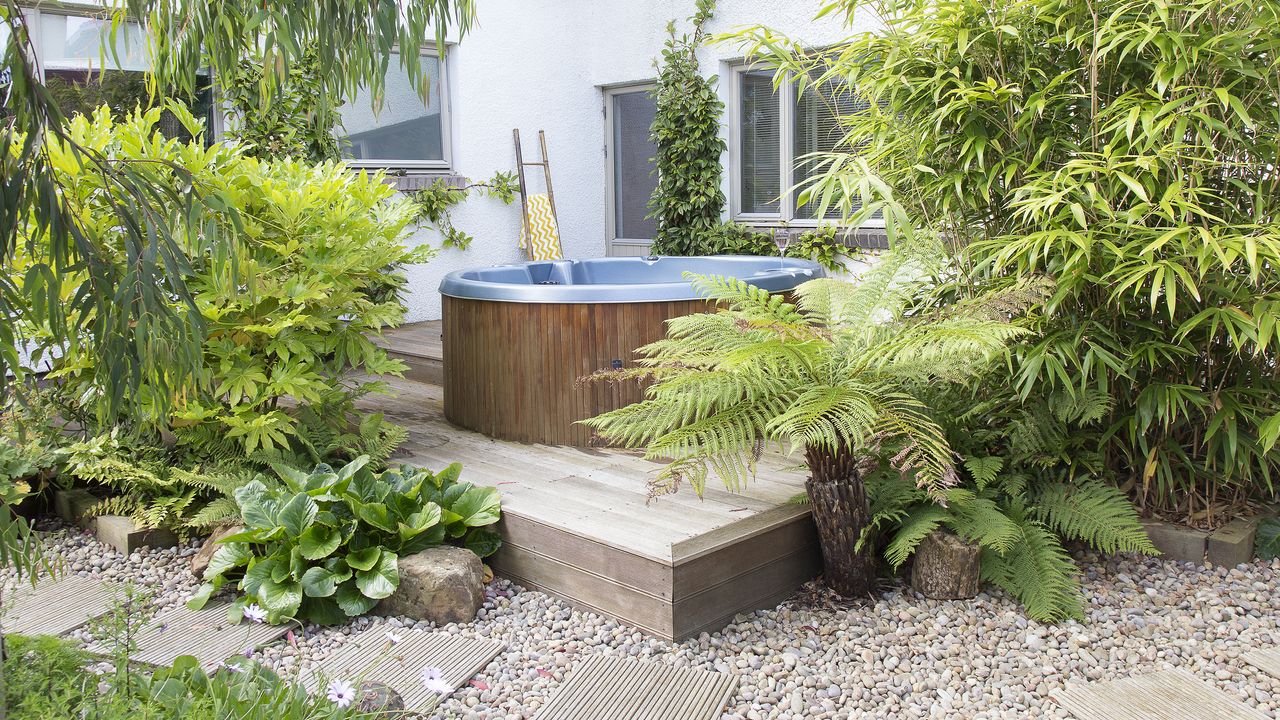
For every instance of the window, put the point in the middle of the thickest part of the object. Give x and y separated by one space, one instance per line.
403 131
773 131
83 69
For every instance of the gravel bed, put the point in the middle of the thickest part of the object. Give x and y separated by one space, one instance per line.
899 656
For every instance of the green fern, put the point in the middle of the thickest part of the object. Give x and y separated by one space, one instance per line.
1092 512
917 525
1038 572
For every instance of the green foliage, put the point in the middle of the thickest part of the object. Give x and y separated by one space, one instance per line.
434 203
731 238
44 677
1266 542
686 129
298 122
325 546
833 372
1127 148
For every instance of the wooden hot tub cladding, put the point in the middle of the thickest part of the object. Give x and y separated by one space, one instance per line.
512 370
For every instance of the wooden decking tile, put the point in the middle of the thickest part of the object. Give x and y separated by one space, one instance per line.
54 607
606 688
205 634
370 657
1156 696
1268 661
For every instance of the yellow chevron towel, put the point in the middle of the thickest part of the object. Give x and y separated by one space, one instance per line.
541 238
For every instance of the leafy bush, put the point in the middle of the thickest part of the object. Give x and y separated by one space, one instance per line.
289 315
325 546
686 129
297 121
44 677
732 238
1128 149
1267 540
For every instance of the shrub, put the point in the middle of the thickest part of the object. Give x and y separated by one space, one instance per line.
44 677
325 546
289 315
1128 148
731 238
686 129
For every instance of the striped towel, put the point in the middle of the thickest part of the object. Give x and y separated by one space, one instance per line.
541 239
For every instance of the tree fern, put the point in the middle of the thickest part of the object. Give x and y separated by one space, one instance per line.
914 528
1092 512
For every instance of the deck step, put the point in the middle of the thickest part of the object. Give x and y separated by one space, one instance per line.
419 346
371 657
54 607
606 687
1156 696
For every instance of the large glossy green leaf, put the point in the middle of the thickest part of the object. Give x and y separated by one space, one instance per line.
230 555
478 506
298 514
318 541
482 542
281 597
319 582
351 600
382 580
364 559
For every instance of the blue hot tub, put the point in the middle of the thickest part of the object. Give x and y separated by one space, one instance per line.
518 339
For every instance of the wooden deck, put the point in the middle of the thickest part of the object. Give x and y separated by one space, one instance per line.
419 346
576 525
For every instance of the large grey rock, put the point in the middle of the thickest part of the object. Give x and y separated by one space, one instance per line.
200 561
443 584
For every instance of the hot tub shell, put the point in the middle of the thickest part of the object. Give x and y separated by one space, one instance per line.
519 339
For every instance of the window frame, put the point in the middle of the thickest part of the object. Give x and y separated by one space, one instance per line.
786 215
433 167
617 245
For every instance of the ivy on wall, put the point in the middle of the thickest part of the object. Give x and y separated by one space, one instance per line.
687 201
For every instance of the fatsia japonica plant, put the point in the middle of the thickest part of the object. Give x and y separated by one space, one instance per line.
1126 148
324 546
829 377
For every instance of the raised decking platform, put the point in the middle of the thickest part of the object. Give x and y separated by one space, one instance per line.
576 525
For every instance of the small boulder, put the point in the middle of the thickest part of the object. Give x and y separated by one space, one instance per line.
380 699
200 561
442 584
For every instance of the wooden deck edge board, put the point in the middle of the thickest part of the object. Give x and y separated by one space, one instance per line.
727 536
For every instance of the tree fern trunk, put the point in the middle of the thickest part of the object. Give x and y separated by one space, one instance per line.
840 511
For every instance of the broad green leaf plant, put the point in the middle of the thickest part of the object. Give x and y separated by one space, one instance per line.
324 546
1126 148
830 376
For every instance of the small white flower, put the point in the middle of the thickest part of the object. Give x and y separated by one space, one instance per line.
433 682
393 638
229 667
253 613
341 693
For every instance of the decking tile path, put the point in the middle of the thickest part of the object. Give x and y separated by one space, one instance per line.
1162 695
608 688
371 656
1268 661
54 607
205 634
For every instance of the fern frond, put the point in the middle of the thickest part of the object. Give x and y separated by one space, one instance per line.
984 469
915 528
1093 512
982 521
218 511
1038 572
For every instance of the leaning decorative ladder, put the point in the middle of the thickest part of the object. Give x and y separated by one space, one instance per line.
540 233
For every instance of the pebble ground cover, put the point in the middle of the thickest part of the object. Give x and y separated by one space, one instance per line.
816 656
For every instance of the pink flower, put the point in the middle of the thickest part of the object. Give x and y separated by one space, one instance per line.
341 693
433 681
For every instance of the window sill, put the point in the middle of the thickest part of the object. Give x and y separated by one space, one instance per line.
411 182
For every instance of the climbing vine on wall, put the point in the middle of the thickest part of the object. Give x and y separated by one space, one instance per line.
686 129
299 119
435 201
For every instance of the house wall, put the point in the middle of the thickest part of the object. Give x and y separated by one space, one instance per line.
543 64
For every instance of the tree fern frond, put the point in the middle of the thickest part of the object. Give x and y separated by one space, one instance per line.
984 470
1093 512
218 511
982 521
919 522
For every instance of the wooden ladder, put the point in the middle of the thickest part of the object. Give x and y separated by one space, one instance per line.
545 164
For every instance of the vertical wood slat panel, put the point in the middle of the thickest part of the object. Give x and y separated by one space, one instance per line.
511 370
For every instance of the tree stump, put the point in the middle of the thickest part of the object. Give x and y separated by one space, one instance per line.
946 567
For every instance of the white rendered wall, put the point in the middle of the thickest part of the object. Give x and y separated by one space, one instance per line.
541 65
